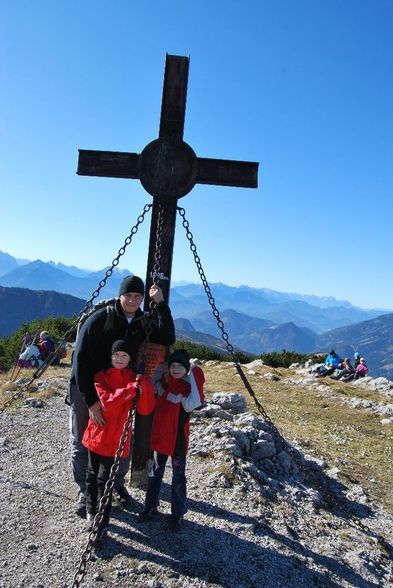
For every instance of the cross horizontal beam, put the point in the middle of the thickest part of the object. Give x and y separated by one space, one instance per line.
224 172
109 164
218 172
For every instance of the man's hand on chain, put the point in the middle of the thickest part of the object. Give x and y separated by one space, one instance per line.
156 294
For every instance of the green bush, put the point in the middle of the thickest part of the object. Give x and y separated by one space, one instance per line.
57 326
283 358
203 352
242 357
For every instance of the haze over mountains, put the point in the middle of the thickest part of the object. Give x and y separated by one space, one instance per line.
257 320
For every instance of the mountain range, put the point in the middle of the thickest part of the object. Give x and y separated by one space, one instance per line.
20 305
318 314
257 320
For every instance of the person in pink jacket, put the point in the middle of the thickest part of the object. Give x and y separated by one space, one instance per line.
116 388
361 370
179 390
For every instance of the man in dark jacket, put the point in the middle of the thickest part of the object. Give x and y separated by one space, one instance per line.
92 353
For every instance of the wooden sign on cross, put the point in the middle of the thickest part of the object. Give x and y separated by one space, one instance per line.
168 168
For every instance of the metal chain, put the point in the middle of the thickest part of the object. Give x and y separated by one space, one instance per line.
157 253
48 361
121 252
148 327
106 497
283 443
220 323
24 388
197 260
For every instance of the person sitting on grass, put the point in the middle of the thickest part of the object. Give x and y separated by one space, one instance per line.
179 388
361 370
345 371
116 387
332 362
46 344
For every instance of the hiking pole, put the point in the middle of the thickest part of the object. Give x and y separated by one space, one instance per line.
16 361
24 388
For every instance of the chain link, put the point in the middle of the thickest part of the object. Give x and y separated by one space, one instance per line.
319 481
49 360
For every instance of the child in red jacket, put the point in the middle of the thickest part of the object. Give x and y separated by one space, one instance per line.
179 390
116 387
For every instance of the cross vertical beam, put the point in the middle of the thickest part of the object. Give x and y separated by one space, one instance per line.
168 211
174 97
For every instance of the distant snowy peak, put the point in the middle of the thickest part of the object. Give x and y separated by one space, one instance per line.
250 300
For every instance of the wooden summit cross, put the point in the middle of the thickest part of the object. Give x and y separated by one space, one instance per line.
168 168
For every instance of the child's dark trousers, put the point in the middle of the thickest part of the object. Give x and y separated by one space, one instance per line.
97 475
179 484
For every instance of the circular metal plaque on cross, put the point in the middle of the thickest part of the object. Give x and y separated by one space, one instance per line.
168 168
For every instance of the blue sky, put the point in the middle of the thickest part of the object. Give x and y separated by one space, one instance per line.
304 87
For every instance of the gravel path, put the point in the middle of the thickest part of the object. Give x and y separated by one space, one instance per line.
237 533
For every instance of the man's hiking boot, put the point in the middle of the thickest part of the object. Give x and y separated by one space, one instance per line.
147 515
122 496
80 506
174 523
89 522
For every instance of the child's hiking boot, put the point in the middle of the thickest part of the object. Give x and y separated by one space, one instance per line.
147 515
174 523
121 496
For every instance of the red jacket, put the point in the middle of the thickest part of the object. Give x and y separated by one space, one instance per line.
174 394
116 389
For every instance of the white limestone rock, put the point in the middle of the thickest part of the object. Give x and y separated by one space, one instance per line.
230 401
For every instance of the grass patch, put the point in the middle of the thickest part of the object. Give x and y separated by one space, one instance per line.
224 469
358 392
353 439
8 388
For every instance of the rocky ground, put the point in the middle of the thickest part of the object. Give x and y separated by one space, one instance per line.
258 515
